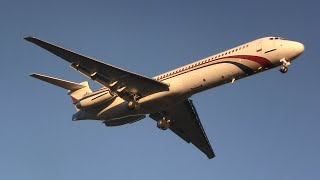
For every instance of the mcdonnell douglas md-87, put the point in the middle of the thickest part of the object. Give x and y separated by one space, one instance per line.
127 97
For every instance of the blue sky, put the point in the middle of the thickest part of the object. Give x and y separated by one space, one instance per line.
263 127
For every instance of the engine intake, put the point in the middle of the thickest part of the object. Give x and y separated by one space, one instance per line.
94 100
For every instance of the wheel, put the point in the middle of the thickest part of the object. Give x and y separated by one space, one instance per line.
283 69
163 124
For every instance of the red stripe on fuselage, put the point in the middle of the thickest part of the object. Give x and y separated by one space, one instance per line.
260 60
207 62
74 100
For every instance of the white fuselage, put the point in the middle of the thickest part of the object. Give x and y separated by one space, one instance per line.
225 67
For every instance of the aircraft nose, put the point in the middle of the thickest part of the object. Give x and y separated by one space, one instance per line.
298 47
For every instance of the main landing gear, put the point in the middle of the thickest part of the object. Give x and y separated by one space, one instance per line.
164 123
284 66
121 91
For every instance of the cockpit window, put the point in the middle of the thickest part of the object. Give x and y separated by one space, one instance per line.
276 38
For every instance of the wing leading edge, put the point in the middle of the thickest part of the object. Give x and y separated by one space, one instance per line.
187 125
105 74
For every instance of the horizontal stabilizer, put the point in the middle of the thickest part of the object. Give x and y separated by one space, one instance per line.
72 86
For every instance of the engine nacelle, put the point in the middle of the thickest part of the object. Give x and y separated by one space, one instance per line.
95 99
124 120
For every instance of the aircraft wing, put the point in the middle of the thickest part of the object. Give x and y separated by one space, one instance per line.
186 124
105 74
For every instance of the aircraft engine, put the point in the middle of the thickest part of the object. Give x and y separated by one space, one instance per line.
95 99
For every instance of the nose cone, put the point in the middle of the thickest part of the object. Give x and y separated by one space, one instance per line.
298 48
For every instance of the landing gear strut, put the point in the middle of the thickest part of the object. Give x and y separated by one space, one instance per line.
134 105
284 66
164 123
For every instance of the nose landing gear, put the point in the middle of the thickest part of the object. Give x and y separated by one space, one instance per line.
283 69
284 66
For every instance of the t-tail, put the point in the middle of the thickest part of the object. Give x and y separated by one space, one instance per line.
76 90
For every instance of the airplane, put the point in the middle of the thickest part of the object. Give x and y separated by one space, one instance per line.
127 97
